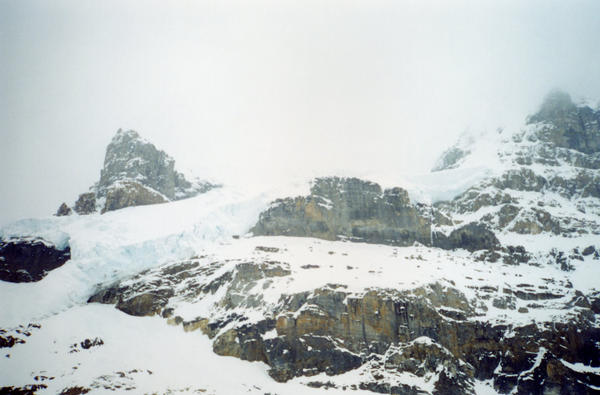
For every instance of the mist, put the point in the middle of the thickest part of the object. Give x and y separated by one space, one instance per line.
259 92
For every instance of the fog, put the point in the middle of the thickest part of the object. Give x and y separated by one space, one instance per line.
259 92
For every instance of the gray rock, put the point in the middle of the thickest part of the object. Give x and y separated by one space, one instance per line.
136 173
129 157
63 210
348 208
569 126
130 193
86 203
450 159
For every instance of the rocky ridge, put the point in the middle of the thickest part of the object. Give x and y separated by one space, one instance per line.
359 210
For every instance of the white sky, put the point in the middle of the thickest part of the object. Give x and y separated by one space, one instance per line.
253 92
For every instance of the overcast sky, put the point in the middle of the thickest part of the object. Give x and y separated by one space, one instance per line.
255 91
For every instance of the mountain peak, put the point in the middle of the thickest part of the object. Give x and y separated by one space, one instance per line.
124 135
557 104
136 173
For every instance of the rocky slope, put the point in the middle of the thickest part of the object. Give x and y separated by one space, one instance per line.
135 173
549 180
441 322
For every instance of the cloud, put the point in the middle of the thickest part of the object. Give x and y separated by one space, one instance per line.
256 92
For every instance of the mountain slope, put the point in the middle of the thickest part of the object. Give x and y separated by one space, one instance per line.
338 286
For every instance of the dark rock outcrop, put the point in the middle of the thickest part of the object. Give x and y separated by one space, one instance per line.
86 203
24 260
472 237
139 305
63 210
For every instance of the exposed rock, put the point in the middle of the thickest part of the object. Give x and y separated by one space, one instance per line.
63 210
145 304
136 173
130 193
86 203
86 344
30 389
28 260
334 331
9 341
588 251
536 221
522 179
76 390
472 237
129 157
351 208
450 159
568 126
360 211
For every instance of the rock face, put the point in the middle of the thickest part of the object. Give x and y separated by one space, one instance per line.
359 210
136 173
350 208
567 125
471 237
86 203
128 193
29 260
129 157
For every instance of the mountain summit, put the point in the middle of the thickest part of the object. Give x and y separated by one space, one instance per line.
135 173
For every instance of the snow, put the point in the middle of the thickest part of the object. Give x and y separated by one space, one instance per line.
143 353
581 368
485 387
114 245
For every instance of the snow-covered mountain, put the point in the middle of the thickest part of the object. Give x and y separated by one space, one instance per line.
339 285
